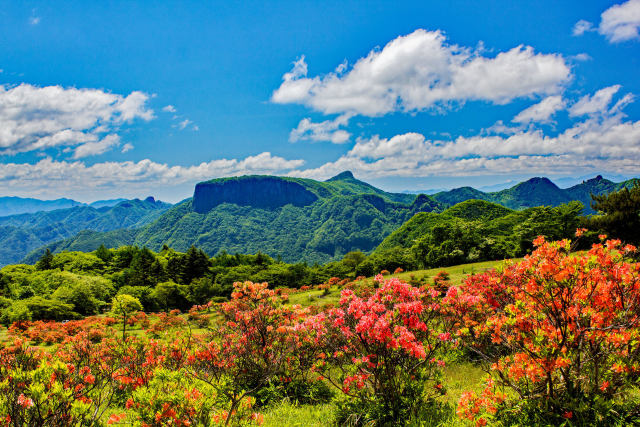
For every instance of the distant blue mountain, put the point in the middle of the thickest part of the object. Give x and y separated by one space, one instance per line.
102 203
19 205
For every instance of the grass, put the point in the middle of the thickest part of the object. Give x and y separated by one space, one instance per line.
458 377
288 414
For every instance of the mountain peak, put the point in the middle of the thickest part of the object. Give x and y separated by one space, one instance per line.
342 176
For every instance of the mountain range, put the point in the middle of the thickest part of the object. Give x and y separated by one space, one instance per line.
18 205
295 219
536 192
20 234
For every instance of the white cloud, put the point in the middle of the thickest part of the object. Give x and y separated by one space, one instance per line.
621 22
582 27
98 147
542 111
598 144
88 182
597 103
328 130
126 148
169 109
38 118
421 71
582 57
34 20
183 124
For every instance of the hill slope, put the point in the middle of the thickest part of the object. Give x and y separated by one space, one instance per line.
21 234
477 230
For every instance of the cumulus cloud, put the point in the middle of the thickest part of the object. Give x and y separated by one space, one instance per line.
37 118
598 103
77 179
126 148
169 109
328 130
621 22
420 71
95 148
598 144
542 111
582 27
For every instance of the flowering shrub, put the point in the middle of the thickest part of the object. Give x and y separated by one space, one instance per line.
171 399
253 344
561 330
382 351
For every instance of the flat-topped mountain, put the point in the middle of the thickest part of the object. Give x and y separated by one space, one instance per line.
256 191
295 218
265 191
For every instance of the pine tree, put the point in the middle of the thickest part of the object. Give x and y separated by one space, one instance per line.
46 261
618 214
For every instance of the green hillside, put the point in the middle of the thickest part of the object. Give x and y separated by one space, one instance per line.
21 234
536 192
477 230
300 219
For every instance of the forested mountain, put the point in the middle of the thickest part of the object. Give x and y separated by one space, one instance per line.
318 221
295 219
20 234
536 192
292 218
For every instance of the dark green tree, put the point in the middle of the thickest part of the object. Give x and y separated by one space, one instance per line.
618 214
353 259
46 261
104 254
195 264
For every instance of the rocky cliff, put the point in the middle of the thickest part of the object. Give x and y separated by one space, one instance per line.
255 191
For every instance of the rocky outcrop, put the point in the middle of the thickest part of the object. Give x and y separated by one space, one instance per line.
255 191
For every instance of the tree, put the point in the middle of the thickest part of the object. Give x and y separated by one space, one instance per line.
124 306
353 259
171 295
46 261
618 214
195 264
141 268
103 253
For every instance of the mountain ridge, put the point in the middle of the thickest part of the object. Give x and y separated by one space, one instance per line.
254 213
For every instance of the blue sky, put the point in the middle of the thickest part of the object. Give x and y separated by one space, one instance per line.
126 99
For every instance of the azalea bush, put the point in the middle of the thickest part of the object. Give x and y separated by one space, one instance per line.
254 344
382 352
559 331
